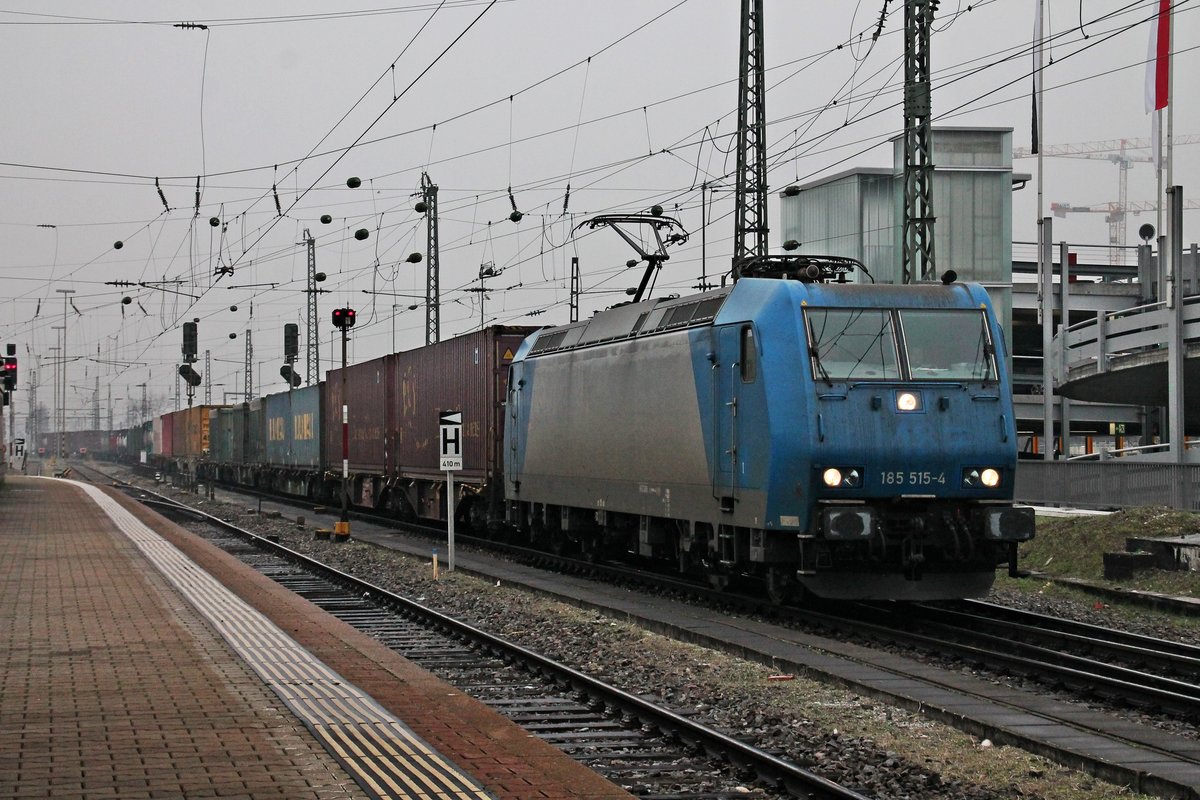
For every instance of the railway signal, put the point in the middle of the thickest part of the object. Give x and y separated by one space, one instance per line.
291 342
192 378
291 350
186 370
189 342
343 319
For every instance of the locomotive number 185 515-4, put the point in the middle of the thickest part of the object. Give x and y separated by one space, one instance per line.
912 478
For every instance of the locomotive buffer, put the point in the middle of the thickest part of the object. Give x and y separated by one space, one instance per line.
450 423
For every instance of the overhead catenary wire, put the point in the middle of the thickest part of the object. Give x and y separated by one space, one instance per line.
671 154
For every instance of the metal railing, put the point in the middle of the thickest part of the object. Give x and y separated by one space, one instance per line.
1133 331
1091 257
1121 452
1114 483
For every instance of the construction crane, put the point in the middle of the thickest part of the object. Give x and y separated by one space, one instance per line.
1134 207
1118 152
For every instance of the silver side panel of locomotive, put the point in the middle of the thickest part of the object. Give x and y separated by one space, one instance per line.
614 427
601 435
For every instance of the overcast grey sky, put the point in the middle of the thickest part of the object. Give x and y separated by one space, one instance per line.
102 98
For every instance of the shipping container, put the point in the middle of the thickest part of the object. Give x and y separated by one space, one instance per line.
256 432
139 439
189 432
75 443
371 414
468 374
237 434
220 435
293 428
162 437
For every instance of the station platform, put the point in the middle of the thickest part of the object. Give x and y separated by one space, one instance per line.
139 661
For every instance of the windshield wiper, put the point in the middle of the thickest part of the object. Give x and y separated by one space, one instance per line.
818 366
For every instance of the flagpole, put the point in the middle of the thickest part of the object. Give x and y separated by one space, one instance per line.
1038 102
1170 98
1158 167
1037 138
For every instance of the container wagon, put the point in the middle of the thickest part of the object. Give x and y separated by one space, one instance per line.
394 408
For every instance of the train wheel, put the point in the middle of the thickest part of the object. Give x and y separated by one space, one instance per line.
476 515
782 586
592 545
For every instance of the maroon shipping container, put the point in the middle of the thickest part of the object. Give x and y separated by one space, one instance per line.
395 403
371 414
185 432
168 436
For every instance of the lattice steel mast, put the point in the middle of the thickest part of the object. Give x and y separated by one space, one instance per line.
314 340
750 200
433 318
918 263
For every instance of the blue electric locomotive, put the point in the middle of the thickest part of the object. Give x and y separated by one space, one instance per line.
838 439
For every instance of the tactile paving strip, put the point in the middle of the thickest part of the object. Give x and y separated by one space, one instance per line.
382 753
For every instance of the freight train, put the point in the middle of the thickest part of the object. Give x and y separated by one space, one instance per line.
833 439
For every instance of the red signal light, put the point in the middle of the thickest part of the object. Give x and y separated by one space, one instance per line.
10 373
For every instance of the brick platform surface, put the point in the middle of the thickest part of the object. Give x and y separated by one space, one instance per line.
111 686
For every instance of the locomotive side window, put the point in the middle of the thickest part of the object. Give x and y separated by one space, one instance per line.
748 356
852 344
948 344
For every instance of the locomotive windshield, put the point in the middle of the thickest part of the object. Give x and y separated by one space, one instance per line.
866 344
947 344
853 343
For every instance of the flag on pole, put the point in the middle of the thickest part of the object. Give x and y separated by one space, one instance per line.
1037 72
1158 60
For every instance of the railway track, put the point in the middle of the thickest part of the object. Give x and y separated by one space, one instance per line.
648 749
1089 662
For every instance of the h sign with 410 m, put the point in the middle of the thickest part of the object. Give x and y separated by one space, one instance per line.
450 423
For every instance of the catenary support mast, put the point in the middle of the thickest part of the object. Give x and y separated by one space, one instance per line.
918 261
750 201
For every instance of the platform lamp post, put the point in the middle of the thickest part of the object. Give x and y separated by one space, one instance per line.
343 320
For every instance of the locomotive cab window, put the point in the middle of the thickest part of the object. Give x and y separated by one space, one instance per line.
852 344
748 356
948 344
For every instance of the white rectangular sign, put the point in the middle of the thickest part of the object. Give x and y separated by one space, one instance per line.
450 425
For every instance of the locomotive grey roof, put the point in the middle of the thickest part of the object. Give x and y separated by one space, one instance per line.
633 319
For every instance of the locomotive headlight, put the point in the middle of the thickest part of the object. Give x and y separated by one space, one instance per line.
842 477
987 477
908 401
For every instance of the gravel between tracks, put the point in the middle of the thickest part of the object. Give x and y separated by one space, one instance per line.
882 751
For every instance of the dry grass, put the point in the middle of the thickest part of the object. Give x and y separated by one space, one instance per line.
1074 547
